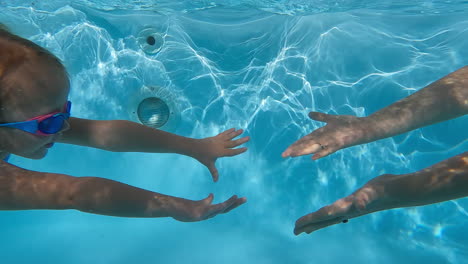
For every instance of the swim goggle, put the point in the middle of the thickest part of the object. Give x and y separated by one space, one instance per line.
44 125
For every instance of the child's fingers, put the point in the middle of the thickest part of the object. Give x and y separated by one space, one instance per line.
227 132
233 134
239 201
213 171
234 152
237 142
209 199
216 209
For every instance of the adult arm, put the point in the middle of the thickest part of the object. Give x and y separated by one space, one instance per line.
126 136
22 189
442 100
443 181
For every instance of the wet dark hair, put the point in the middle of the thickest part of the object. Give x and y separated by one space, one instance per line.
16 51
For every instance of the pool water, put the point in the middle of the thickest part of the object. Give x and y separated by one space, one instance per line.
260 66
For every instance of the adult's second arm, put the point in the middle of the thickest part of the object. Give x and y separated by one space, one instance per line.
443 181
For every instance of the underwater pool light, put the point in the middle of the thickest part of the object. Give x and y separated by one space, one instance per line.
150 40
153 112
156 107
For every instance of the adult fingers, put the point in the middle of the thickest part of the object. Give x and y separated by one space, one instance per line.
310 148
297 145
325 151
326 216
306 142
302 147
322 214
318 225
322 117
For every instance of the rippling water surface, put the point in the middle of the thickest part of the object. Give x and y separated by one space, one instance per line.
260 66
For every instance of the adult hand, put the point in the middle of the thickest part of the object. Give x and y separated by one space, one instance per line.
221 145
368 199
191 211
340 132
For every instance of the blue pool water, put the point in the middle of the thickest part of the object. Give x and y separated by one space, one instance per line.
260 66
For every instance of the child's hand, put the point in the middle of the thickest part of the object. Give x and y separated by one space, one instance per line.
189 211
222 145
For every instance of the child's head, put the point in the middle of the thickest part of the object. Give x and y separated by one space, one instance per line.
33 82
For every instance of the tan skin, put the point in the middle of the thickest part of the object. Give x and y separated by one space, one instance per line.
442 100
45 90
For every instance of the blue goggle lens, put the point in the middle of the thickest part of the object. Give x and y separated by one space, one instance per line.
52 124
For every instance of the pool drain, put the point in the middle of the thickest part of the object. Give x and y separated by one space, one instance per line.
150 40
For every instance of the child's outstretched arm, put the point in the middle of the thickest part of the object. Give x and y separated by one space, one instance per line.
126 136
442 100
22 189
443 181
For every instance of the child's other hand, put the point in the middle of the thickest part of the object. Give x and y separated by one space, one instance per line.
222 145
190 211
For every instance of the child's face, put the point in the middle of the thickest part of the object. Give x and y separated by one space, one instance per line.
38 89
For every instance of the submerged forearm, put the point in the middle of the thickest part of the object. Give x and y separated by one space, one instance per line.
442 100
22 190
107 197
126 136
443 181
138 138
